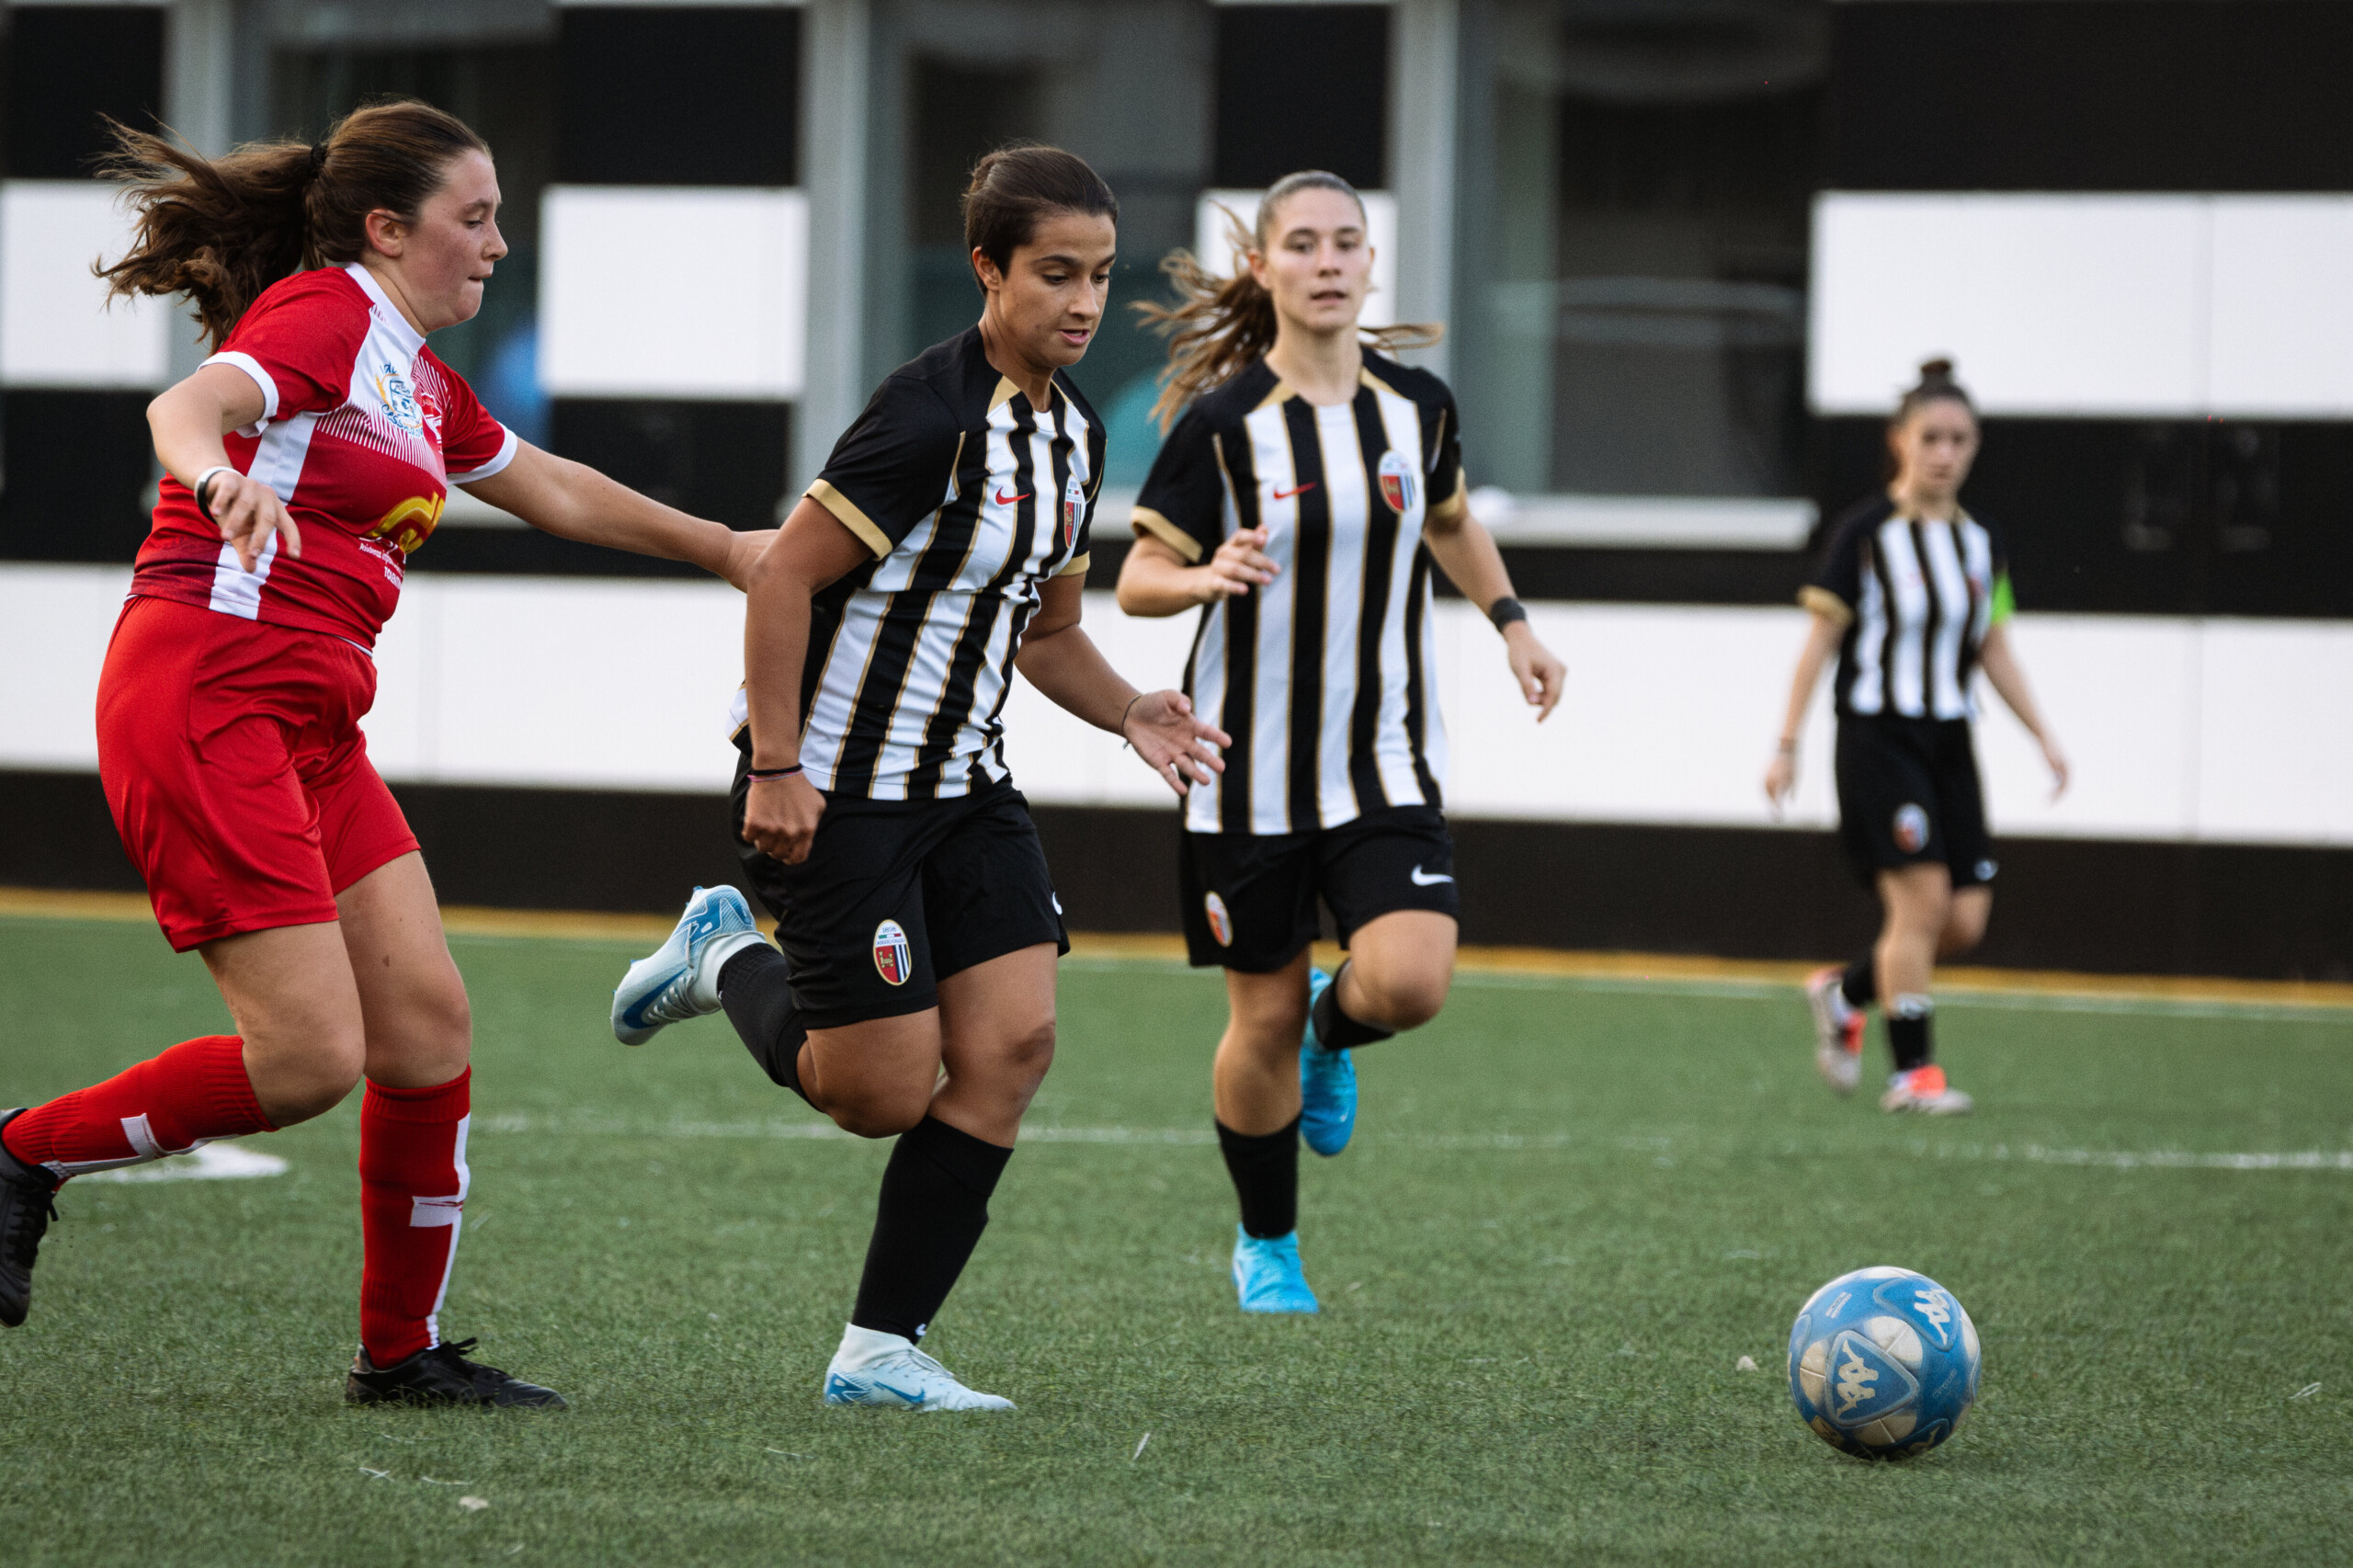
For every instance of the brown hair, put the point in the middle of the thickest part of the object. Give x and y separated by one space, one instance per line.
1016 186
1935 385
221 230
1221 325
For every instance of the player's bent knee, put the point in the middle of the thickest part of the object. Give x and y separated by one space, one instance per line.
1400 1003
882 1112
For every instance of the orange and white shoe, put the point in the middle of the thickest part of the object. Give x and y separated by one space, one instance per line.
1924 1089
1837 1031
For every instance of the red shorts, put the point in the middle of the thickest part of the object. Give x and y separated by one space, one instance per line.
233 760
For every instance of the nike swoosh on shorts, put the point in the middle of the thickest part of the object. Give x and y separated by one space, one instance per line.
1424 880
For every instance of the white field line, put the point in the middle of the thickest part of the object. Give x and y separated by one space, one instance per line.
1456 1142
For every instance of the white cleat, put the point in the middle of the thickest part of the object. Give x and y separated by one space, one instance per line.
680 979
1837 1031
1924 1090
874 1367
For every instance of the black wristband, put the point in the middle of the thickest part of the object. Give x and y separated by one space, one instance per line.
769 774
1506 610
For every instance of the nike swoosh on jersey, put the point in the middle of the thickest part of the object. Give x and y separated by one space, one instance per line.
1424 880
1282 495
1005 500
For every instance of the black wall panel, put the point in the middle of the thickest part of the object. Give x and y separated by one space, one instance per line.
66 66
2062 95
1301 87
678 95
718 460
77 466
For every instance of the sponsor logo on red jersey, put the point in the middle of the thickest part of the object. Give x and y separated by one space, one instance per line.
409 524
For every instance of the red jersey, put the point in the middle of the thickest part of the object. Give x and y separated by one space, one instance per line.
361 433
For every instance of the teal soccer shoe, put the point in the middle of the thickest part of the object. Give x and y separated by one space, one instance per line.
1327 1083
1267 1275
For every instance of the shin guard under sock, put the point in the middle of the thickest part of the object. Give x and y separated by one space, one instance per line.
192 1094
1265 1168
934 1204
1335 1030
1859 984
1908 1032
412 1181
755 987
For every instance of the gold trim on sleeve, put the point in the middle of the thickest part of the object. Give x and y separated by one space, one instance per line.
1456 506
1077 567
1144 520
1826 605
848 513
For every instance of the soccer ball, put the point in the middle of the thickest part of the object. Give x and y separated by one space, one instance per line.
1883 1363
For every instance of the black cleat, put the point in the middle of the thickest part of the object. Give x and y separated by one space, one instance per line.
442 1375
27 1203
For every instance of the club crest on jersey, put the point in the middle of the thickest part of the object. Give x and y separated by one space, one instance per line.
409 524
893 962
1221 922
1074 505
1911 829
398 400
1397 481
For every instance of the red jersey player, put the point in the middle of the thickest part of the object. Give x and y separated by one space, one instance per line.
306 461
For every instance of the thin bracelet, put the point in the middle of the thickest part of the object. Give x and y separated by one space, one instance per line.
1787 748
204 482
1126 745
769 774
1506 610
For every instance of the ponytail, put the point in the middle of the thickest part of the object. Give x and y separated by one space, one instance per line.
1221 325
221 230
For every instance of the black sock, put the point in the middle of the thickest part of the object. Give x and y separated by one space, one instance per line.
1860 984
1908 1033
934 1204
755 987
1265 1169
1335 1030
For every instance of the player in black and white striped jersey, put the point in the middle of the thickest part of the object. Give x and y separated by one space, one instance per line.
1301 503
1914 594
944 544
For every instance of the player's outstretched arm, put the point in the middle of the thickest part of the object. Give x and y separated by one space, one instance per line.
1821 638
1466 552
189 421
573 501
1063 662
2000 662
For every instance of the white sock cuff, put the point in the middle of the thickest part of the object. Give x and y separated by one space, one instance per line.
862 1345
1910 1005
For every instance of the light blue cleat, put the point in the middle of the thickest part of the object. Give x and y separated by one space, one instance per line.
878 1368
679 980
1267 1275
1328 1083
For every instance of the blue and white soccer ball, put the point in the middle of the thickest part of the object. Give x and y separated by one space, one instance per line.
1883 1363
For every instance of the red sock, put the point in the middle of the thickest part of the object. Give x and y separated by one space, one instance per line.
192 1094
412 1181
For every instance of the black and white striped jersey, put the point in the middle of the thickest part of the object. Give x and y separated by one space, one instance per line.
1324 678
1916 598
970 499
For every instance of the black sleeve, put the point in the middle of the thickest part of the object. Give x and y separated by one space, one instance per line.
1836 585
1182 503
892 466
1442 465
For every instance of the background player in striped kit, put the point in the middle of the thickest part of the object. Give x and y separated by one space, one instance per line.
1300 503
1914 594
944 544
303 465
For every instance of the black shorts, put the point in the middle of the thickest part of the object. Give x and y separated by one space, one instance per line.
896 894
1250 898
1908 795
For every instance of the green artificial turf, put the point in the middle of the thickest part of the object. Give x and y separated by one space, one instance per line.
1570 1209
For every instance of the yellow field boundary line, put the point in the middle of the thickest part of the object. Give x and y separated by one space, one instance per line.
468 921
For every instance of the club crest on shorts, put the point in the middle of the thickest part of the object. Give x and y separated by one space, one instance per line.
1397 481
893 960
1911 829
1221 922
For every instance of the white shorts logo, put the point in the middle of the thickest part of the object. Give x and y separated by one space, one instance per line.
1221 922
1911 829
893 960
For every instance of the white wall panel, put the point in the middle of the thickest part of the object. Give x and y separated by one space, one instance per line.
1212 243
2050 304
2179 729
55 327
2282 324
684 292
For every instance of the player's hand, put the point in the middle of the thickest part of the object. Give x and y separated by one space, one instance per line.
780 817
248 512
1182 749
1240 564
1537 668
1781 778
2056 760
743 551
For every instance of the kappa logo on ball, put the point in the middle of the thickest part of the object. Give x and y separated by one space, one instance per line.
1911 829
1221 922
1397 481
893 960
